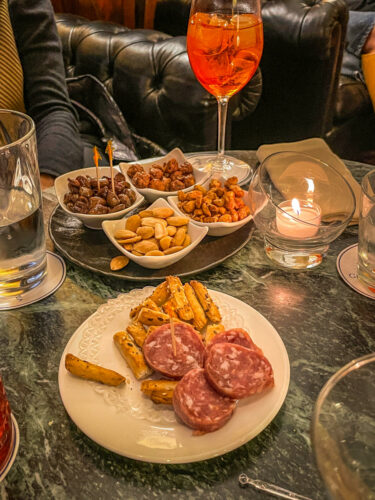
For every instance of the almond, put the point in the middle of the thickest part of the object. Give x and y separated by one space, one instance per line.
187 241
152 221
119 262
171 230
160 231
134 252
124 234
129 240
128 246
162 212
145 232
179 237
145 246
133 223
145 213
165 242
154 253
173 250
177 221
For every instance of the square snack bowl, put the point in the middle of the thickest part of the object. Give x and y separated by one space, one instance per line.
89 220
155 262
153 194
214 228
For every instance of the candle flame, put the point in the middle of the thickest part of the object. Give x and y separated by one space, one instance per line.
296 206
109 150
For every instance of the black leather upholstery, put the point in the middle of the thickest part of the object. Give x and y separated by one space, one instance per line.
303 92
149 75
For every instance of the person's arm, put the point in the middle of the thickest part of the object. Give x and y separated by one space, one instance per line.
46 97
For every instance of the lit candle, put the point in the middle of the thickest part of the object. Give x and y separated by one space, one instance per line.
298 218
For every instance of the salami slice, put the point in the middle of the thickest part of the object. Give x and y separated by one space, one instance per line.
235 336
198 405
159 353
236 371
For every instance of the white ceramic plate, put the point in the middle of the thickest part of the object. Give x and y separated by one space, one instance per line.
214 228
153 194
89 220
154 262
125 422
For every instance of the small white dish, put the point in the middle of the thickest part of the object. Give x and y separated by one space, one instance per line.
155 262
153 194
89 220
13 449
214 228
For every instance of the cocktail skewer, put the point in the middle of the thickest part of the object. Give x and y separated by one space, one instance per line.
97 157
109 151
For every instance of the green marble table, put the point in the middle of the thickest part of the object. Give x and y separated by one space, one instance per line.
323 323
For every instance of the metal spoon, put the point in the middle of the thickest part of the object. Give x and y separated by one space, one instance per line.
270 488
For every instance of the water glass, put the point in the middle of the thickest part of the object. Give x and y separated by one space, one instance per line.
22 240
366 233
343 431
5 426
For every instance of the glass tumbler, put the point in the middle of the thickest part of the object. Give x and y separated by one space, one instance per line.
22 240
343 431
5 427
366 231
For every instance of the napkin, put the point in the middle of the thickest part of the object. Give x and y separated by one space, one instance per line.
319 149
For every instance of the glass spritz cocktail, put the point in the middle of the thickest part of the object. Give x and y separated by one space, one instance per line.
224 44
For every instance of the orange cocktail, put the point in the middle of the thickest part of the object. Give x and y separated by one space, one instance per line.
224 50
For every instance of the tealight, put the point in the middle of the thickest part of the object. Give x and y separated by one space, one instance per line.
298 218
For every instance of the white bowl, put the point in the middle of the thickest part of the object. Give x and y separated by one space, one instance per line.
155 262
153 194
90 220
214 228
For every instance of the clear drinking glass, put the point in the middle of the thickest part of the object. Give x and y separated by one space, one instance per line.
343 431
366 232
224 44
22 240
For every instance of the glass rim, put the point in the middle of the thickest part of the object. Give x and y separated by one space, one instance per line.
262 167
363 188
27 135
332 381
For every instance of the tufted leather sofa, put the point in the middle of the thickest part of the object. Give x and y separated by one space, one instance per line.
148 74
303 94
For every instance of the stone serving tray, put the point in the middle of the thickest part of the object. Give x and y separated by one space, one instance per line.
92 250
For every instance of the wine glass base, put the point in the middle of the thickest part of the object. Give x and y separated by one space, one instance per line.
228 167
295 259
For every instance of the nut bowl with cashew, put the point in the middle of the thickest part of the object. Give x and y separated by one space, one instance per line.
220 205
156 237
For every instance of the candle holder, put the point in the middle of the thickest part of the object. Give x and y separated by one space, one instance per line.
300 205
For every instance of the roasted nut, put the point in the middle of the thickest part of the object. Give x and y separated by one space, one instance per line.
133 223
119 262
145 213
124 234
179 236
160 231
145 232
170 250
162 212
171 230
187 240
145 246
128 246
154 253
138 254
165 242
129 240
152 221
177 221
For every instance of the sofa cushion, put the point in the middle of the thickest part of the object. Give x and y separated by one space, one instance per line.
352 99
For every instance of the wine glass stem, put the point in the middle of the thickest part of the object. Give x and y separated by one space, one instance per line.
222 121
